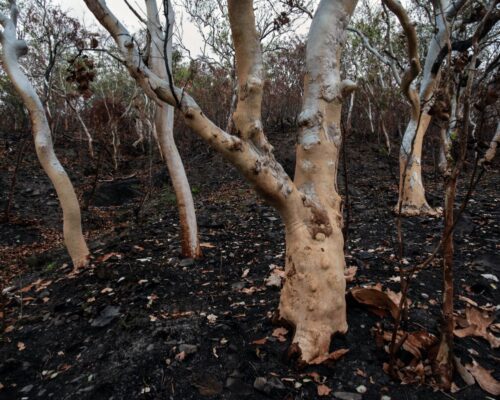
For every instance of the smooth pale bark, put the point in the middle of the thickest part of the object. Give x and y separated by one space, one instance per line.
412 199
492 150
72 228
313 297
164 124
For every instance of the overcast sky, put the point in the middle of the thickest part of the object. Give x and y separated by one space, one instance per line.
78 9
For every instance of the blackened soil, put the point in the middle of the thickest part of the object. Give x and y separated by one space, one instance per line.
142 323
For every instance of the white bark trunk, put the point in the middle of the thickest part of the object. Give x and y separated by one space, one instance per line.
72 228
313 298
412 199
492 150
164 121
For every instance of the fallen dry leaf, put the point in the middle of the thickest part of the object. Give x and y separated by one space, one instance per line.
10 328
323 390
181 356
260 341
350 273
207 245
276 277
280 334
476 323
106 257
21 346
315 376
378 301
333 356
484 378
250 290
464 374
414 342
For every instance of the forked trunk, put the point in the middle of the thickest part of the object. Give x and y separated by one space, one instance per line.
412 199
313 297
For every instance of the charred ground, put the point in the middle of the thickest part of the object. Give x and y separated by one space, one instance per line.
143 323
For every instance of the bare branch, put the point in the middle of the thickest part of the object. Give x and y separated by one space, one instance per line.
414 69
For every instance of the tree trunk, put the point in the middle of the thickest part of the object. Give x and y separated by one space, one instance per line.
444 359
164 121
412 199
72 228
411 188
313 296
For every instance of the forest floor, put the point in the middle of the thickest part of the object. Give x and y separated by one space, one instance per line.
143 323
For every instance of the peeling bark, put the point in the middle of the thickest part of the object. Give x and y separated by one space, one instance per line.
13 49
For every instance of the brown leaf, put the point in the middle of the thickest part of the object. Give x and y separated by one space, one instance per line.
10 328
207 245
323 390
377 299
334 356
315 376
21 346
350 273
250 290
477 323
484 378
464 374
467 300
414 342
280 334
417 341
106 257
260 341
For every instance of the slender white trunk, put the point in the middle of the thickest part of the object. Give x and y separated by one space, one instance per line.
412 199
492 150
164 123
72 228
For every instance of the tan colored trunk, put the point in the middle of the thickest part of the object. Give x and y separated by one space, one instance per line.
313 296
492 150
412 199
72 228
164 124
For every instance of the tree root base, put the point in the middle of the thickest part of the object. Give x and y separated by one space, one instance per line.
410 210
